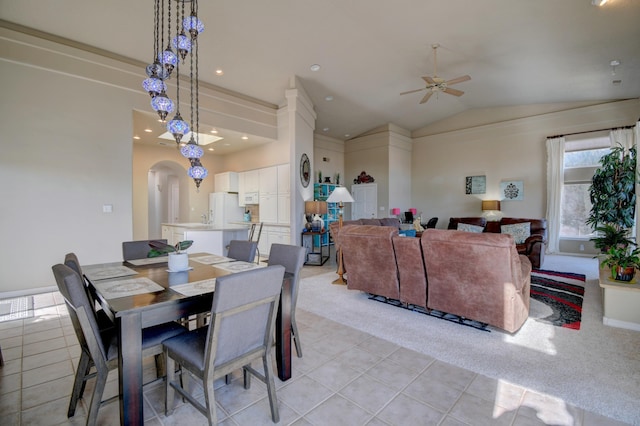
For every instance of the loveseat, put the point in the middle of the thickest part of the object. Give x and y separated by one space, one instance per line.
532 244
478 276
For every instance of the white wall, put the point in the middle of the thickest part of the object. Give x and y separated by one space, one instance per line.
508 150
66 119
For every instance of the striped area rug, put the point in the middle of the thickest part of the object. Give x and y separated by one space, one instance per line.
563 292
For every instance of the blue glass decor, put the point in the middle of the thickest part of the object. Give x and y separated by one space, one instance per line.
193 25
178 127
169 59
162 105
154 86
156 70
197 172
191 150
183 44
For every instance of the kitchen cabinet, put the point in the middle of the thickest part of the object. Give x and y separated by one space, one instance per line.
241 188
273 235
284 206
269 208
268 180
284 181
251 181
226 182
206 239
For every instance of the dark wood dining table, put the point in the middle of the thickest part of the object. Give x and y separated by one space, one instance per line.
133 313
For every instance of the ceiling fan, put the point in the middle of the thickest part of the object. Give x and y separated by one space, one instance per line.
436 84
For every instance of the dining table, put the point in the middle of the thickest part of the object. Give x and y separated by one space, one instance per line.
141 293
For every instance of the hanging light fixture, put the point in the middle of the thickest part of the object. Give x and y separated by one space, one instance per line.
185 43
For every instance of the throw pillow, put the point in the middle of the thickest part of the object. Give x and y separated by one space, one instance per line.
520 231
470 228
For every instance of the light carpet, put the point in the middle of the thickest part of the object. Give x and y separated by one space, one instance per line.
596 368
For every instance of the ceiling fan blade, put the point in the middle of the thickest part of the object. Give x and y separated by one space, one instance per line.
458 80
426 97
413 91
453 92
428 79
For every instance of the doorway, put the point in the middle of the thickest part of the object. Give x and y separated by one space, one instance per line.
167 182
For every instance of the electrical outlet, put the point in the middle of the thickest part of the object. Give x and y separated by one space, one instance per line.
581 247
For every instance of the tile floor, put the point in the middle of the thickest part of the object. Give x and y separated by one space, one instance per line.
346 377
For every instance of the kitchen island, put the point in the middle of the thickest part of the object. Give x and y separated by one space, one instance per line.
206 238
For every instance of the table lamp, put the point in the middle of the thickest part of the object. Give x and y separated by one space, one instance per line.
395 212
340 195
316 208
491 210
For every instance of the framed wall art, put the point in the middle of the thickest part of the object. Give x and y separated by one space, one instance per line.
512 190
475 185
305 170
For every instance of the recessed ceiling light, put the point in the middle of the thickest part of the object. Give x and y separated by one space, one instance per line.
614 63
219 72
211 149
326 129
347 135
328 98
244 138
137 138
214 131
148 130
314 67
227 144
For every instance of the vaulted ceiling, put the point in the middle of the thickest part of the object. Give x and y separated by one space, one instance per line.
517 52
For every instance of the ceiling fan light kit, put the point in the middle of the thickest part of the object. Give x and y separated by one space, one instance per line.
437 84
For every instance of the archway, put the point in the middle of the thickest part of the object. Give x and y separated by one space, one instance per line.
167 183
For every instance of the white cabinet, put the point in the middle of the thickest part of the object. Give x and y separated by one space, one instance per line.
284 205
284 184
269 208
226 182
251 181
268 180
241 188
273 235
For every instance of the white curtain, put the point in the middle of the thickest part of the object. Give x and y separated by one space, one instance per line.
624 137
555 183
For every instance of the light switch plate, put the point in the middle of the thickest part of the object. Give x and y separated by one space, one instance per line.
107 208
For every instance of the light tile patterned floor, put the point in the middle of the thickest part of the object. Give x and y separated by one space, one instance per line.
346 377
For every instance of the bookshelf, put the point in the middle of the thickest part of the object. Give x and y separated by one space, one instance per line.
321 192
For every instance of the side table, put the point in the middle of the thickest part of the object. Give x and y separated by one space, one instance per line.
620 302
316 256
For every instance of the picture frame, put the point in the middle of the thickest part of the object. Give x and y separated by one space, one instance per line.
475 184
512 190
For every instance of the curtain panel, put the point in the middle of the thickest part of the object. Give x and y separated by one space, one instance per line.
555 183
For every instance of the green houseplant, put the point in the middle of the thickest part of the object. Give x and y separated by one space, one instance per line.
622 261
610 236
158 248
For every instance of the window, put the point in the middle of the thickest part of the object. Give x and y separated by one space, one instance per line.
581 159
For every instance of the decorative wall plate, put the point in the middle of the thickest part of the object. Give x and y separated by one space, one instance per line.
305 170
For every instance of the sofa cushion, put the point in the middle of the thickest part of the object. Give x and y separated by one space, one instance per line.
375 222
519 231
469 228
389 221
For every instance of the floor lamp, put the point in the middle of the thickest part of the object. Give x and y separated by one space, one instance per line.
340 195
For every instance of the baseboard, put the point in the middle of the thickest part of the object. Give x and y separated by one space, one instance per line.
27 292
621 324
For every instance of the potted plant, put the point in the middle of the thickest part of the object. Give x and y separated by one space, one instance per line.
613 190
178 259
610 236
622 261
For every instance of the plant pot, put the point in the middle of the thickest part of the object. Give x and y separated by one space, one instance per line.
620 273
178 262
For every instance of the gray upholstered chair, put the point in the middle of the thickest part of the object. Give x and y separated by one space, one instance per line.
241 331
104 321
242 250
99 349
137 249
292 258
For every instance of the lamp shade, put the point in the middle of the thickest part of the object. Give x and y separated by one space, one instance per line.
413 211
340 195
490 205
395 211
315 207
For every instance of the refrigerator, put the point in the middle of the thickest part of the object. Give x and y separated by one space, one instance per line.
224 208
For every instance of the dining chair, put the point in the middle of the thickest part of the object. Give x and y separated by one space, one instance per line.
292 258
98 349
256 237
242 250
241 330
104 321
137 249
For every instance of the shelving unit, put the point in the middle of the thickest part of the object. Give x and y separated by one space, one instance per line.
321 192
